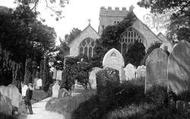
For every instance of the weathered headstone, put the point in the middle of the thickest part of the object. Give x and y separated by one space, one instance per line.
59 75
179 67
24 88
11 92
92 77
106 79
55 89
35 82
156 69
39 83
141 72
130 71
5 105
114 59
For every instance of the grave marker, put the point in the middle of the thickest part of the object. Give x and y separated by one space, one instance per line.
130 71
92 77
156 69
179 67
114 59
55 89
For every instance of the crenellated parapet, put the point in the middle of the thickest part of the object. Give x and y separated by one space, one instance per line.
113 11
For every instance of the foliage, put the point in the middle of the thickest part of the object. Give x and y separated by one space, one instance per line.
58 58
4 116
129 102
55 6
70 102
38 95
78 68
135 54
73 34
157 95
117 98
111 36
23 37
184 96
180 19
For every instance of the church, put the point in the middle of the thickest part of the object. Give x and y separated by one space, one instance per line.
85 43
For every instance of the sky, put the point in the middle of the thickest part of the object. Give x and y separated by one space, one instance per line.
78 12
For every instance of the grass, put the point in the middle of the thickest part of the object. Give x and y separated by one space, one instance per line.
38 95
128 101
68 104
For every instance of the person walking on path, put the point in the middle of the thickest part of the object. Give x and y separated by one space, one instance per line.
28 97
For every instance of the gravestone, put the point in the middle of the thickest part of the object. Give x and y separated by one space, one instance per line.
106 79
24 88
179 67
11 92
5 105
35 83
92 77
141 72
59 75
156 69
55 89
130 71
39 84
114 59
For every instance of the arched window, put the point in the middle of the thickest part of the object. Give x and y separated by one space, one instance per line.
129 37
87 47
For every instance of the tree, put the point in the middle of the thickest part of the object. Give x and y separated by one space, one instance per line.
111 34
55 6
25 41
110 37
73 34
135 54
180 19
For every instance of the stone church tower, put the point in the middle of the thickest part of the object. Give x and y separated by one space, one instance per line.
110 16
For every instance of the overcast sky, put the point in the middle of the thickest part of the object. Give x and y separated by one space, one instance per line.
77 13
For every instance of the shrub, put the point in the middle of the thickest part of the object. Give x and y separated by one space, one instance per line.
115 97
4 116
185 96
39 95
68 104
157 95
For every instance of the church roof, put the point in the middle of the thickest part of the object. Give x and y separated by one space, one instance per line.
82 32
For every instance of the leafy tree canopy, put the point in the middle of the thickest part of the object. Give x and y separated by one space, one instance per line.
73 34
180 19
111 34
55 6
23 37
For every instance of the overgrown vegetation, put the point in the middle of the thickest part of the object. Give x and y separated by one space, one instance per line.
179 25
127 100
69 103
25 45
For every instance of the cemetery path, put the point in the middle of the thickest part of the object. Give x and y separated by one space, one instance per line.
41 113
